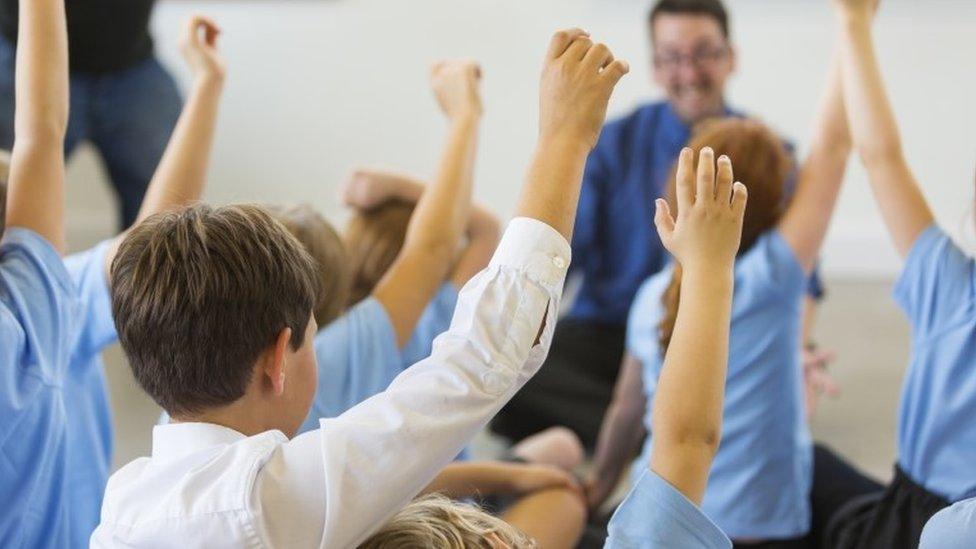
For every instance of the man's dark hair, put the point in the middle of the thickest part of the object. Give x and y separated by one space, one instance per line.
711 8
198 295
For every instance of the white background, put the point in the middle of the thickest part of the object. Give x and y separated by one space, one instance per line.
317 87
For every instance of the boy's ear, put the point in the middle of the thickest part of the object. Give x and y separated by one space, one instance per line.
274 363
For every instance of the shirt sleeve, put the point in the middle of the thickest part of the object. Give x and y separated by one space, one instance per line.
357 357
37 292
936 285
656 515
358 469
643 325
434 321
96 326
769 264
951 528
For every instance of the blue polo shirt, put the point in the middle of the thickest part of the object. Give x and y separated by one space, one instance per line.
358 356
937 418
38 309
951 528
760 479
656 515
615 244
89 440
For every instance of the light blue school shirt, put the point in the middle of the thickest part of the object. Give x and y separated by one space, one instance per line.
937 417
86 402
358 355
656 515
951 528
760 480
38 309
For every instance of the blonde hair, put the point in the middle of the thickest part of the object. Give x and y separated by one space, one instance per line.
374 239
324 244
436 521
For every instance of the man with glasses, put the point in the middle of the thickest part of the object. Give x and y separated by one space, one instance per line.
615 245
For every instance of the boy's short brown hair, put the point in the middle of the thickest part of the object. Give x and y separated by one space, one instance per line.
199 293
374 239
328 251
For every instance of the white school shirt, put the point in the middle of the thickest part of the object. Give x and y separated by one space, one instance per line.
209 486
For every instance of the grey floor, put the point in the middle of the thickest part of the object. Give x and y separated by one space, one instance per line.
859 321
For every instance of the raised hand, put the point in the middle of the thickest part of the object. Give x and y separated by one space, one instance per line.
455 85
199 47
577 79
708 228
856 7
366 189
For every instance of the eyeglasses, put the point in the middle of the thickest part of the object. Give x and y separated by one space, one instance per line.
701 58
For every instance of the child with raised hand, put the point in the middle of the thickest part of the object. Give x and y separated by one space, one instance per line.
179 180
760 481
38 302
936 431
662 509
214 310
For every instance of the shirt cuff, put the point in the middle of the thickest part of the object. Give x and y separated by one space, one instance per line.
536 248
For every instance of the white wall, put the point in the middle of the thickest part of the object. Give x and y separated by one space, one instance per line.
317 87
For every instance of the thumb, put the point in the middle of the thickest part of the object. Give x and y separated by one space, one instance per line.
664 221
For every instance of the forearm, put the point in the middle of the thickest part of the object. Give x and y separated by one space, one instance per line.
35 196
441 214
182 172
687 413
552 187
876 137
461 480
620 435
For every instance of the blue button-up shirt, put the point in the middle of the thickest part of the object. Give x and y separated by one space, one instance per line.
615 244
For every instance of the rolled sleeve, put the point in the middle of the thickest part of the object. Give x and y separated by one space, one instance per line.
656 515
399 439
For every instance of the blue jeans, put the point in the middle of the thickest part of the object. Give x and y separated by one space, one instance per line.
127 115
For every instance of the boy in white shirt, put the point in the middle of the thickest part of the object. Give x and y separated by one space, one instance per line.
214 310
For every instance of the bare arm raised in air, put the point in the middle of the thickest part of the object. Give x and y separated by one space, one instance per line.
368 189
180 177
441 215
35 194
875 130
805 223
687 413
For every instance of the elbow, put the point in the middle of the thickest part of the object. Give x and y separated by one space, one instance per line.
42 132
690 432
881 154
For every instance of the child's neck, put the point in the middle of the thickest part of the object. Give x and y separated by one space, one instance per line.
239 416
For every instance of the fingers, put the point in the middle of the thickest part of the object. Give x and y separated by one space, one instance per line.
706 174
598 57
723 182
664 221
579 48
685 184
561 40
615 71
740 196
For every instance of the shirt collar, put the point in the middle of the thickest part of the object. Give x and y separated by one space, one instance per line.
175 440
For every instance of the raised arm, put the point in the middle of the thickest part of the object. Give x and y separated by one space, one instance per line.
577 80
442 212
181 175
687 413
35 193
874 129
805 223
367 189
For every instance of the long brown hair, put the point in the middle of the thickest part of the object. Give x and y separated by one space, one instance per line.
374 238
761 162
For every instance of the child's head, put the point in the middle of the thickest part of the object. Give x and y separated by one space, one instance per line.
760 161
325 246
373 240
214 308
435 521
